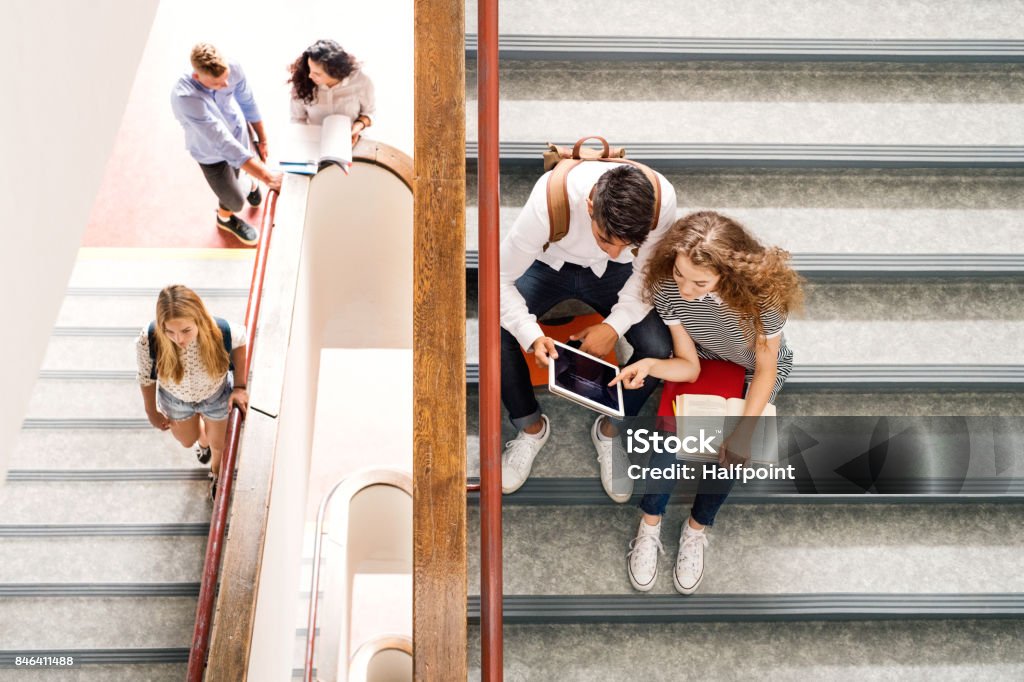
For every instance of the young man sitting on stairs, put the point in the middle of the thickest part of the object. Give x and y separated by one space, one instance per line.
599 261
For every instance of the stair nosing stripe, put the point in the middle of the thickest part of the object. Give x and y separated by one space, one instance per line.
104 529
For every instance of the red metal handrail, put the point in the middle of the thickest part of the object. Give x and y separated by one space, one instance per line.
490 344
218 523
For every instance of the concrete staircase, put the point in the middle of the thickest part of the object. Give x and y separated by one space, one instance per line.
883 147
105 519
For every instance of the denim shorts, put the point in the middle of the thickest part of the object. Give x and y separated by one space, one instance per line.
215 407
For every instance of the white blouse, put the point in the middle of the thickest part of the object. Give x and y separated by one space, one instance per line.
352 96
196 385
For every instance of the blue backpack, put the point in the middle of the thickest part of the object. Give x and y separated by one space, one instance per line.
225 332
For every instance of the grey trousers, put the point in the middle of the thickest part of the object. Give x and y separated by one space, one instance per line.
223 180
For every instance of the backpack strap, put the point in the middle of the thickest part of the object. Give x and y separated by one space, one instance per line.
151 334
225 333
561 160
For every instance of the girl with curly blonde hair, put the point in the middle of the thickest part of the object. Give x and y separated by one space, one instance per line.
724 296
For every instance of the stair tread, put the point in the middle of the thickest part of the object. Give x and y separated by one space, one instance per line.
894 125
838 232
105 502
102 559
97 623
889 19
834 549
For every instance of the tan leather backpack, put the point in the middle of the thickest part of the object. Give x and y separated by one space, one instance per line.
561 160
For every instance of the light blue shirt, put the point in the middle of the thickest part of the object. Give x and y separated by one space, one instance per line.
215 120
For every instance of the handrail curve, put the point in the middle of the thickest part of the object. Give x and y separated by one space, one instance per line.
359 668
218 523
351 485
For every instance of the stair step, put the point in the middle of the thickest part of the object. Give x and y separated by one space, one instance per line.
96 622
105 502
99 590
86 394
105 351
158 267
158 559
840 212
40 530
604 47
103 665
886 19
87 423
935 650
136 307
729 608
52 475
98 449
570 454
899 265
549 490
879 377
775 155
767 549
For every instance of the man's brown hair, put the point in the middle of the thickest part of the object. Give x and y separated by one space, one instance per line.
207 59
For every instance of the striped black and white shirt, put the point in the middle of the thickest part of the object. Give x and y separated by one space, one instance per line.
717 331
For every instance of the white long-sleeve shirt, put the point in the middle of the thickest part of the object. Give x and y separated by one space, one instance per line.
524 244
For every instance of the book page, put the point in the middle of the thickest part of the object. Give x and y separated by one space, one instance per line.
299 151
336 140
764 446
691 405
734 408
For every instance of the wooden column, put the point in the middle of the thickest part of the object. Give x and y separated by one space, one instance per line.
439 344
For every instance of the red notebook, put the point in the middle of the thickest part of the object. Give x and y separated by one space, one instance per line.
717 377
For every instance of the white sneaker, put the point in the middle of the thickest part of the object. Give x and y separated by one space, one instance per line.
517 458
642 559
689 569
612 459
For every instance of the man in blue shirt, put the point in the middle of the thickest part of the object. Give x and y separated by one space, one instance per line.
216 107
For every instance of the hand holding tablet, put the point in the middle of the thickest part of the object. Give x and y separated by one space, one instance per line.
584 379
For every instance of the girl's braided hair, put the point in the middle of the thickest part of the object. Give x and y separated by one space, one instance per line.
751 275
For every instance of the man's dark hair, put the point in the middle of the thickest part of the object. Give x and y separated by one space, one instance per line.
624 204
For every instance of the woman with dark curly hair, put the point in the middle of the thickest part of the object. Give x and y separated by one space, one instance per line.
724 296
327 80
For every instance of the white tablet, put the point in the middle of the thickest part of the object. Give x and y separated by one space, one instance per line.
583 378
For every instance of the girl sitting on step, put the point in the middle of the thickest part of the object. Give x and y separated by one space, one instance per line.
724 296
190 370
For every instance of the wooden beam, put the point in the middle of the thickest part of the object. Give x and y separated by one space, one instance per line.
439 344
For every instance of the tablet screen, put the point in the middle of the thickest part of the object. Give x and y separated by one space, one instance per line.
586 377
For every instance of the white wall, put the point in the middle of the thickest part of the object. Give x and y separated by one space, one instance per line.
356 252
67 68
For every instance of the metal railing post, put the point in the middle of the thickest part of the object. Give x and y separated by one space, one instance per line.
490 344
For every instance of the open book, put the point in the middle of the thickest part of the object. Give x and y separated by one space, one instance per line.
308 148
717 416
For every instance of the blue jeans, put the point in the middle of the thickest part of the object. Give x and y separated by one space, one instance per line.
543 288
711 493
214 407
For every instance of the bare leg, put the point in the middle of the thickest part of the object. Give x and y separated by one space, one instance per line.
204 440
215 432
186 431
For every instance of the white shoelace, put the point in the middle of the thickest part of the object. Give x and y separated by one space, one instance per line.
688 544
517 450
638 544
